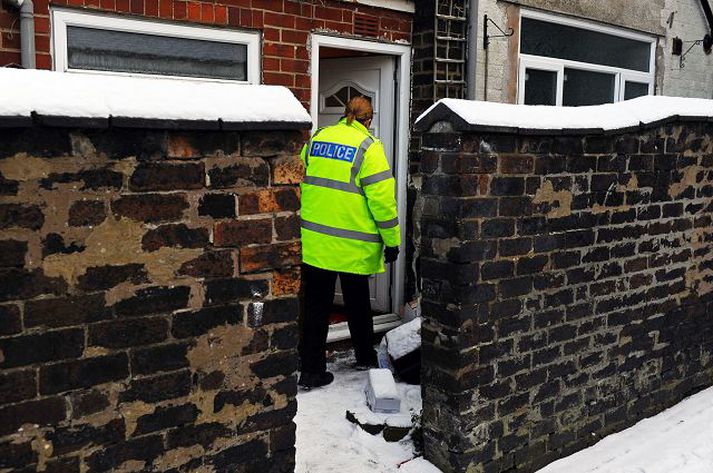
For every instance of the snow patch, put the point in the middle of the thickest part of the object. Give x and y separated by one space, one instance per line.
626 114
419 465
404 339
80 95
679 439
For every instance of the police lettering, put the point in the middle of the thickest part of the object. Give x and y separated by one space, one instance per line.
322 149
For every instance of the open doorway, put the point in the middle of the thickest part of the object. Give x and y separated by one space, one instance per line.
341 69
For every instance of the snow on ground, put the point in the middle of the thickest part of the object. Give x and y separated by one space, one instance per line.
327 442
678 440
628 113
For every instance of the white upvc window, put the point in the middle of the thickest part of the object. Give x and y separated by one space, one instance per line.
563 61
92 42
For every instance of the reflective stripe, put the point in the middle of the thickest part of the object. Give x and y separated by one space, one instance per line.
340 232
333 184
374 178
388 223
356 166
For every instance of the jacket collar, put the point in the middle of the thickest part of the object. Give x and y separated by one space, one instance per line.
356 124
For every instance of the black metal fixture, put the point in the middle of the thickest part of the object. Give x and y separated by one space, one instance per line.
677 49
487 38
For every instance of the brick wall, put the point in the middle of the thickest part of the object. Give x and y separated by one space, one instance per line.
148 307
285 24
567 288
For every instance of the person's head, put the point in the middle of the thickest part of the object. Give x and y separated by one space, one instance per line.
359 109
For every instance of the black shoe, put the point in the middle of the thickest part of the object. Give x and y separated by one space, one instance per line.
315 380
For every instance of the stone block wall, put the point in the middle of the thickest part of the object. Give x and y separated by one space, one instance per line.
567 287
148 299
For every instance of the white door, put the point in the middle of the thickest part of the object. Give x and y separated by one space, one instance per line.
372 77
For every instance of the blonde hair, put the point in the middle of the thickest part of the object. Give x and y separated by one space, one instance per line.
359 109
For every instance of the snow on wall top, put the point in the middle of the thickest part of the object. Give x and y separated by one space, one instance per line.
472 114
95 96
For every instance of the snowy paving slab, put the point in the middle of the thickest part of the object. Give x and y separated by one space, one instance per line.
679 439
328 442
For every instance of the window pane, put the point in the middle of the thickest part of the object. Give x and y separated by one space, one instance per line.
567 42
540 87
120 51
635 89
587 88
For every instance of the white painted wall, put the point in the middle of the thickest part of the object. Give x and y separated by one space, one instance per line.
689 23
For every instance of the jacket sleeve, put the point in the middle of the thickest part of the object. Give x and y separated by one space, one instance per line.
377 181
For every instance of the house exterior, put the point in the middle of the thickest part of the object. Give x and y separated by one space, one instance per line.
403 54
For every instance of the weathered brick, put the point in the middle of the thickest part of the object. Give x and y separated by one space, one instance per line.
15 455
195 323
175 236
57 345
71 439
188 145
151 208
287 170
66 311
17 385
275 256
157 358
261 143
212 264
10 319
167 177
286 281
272 311
98 278
153 300
269 200
287 227
92 179
88 402
21 216
243 232
222 291
128 332
83 373
12 253
84 213
158 388
144 449
166 417
199 434
241 172
47 411
54 244
218 205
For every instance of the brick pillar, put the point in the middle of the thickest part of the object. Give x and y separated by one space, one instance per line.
566 287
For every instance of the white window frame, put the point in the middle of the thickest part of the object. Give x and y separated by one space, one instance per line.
61 19
529 61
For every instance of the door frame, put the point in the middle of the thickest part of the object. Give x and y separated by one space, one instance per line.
402 53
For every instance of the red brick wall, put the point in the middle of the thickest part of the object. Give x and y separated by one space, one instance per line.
285 23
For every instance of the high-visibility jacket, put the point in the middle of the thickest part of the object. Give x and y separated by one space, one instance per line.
348 201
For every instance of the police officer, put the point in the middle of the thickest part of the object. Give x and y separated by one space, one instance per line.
349 229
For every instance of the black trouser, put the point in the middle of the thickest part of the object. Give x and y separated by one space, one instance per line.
319 285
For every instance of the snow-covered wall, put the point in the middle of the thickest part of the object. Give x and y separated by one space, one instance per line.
567 275
148 283
25 93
